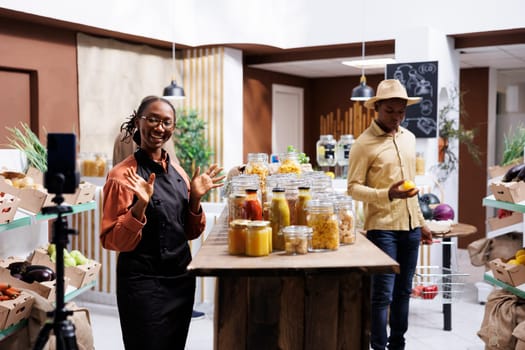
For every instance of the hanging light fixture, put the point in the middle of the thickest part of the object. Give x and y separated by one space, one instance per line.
362 92
173 91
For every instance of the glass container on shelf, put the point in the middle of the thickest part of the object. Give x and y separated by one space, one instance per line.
289 163
258 165
258 238
237 236
279 217
303 198
93 164
343 149
252 205
326 151
297 239
346 219
323 221
237 197
420 163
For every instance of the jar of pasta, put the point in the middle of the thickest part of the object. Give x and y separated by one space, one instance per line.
297 239
290 164
258 238
258 165
323 221
346 220
237 236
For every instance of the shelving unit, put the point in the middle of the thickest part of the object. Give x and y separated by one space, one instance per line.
26 219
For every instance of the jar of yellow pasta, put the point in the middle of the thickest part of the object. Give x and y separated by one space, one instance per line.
258 165
323 221
346 219
289 164
258 238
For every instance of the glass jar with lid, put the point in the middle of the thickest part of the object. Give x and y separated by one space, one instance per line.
323 221
258 165
237 232
252 205
297 239
279 217
290 164
343 149
344 209
258 238
326 151
291 192
303 198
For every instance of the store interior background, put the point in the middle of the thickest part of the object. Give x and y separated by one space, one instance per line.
231 53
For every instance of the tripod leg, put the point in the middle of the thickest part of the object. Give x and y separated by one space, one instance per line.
43 336
68 340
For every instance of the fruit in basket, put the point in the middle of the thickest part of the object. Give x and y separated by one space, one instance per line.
80 259
430 292
519 252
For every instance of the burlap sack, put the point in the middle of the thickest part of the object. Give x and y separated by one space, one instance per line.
484 250
519 334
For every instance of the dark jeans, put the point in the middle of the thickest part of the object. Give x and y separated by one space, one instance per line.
391 292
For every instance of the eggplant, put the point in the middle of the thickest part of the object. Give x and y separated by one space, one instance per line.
513 172
429 198
426 210
39 275
18 268
521 175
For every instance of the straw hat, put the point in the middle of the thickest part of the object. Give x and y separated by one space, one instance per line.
391 88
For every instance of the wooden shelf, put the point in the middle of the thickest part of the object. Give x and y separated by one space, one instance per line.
490 201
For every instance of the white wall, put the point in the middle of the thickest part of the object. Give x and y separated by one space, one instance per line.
291 23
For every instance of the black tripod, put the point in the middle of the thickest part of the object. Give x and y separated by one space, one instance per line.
63 328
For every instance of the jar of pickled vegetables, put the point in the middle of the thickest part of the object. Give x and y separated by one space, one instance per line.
290 164
297 239
326 151
279 217
237 236
346 220
323 221
258 238
303 198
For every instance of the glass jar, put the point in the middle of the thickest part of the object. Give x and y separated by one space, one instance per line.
290 164
346 220
252 205
303 198
258 238
238 186
258 165
326 151
323 221
236 210
237 237
297 239
279 217
93 164
420 163
291 192
343 149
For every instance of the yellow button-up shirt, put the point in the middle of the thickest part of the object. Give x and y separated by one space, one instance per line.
377 160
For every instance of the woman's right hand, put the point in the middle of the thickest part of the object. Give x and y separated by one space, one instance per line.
142 189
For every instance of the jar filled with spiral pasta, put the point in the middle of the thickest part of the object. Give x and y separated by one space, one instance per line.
289 164
258 165
346 220
323 221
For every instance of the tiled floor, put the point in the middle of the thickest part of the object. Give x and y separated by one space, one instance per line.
425 327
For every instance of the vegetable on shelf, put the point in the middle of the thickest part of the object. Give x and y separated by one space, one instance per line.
27 142
514 144
443 212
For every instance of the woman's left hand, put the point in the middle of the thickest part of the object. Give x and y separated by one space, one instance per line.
202 183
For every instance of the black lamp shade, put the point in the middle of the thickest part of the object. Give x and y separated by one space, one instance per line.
362 92
174 91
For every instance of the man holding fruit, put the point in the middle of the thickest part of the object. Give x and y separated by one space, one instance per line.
381 174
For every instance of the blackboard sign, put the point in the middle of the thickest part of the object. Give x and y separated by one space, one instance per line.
420 80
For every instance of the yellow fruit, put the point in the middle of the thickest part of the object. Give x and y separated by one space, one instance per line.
520 259
513 262
330 174
520 252
408 185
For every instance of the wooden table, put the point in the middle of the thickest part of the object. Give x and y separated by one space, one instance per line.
456 230
311 301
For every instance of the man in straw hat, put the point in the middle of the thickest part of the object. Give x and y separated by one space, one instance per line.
381 160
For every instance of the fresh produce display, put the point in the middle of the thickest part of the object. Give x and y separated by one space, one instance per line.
73 258
28 142
20 180
503 213
429 198
7 292
26 272
516 173
519 258
443 212
425 209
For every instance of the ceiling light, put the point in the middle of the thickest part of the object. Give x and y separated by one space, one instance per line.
369 63
173 91
362 92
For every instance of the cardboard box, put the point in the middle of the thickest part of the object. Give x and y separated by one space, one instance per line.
496 224
16 310
513 275
78 276
8 206
45 289
84 193
32 200
498 171
513 192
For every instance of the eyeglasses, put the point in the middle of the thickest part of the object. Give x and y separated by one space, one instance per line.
154 122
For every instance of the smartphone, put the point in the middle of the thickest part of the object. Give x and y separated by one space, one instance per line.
62 175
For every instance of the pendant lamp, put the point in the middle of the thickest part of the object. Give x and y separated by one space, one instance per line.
173 91
362 92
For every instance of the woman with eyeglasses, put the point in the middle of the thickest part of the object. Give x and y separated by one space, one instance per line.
151 209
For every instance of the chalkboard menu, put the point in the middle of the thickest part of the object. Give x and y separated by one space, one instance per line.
420 80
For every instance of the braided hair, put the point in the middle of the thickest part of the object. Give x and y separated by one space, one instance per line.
129 126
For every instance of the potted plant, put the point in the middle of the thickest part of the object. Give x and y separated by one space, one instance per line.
449 129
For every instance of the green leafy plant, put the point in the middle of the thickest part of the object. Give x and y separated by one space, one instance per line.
301 156
25 140
449 129
514 144
191 145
